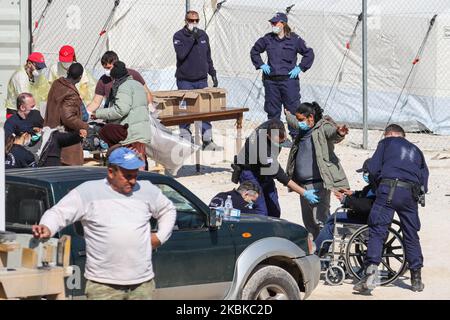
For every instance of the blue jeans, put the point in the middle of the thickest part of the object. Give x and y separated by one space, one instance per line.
185 129
328 229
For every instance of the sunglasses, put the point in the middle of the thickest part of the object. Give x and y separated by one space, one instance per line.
193 20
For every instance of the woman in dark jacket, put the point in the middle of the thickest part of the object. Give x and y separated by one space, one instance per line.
16 155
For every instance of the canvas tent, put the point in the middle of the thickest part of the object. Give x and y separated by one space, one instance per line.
141 32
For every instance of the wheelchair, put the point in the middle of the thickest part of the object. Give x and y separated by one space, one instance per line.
347 249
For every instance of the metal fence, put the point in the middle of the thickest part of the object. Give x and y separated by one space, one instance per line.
409 79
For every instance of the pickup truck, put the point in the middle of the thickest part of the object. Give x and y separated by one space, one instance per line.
255 258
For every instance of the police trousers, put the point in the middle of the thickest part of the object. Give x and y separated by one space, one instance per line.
380 219
279 94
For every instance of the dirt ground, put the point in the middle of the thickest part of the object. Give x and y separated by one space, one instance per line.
435 235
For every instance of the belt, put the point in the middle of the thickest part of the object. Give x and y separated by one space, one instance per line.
397 183
394 183
313 181
276 78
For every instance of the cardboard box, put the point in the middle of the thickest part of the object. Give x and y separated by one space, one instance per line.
185 101
164 106
218 98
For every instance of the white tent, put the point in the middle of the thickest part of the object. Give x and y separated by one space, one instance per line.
142 35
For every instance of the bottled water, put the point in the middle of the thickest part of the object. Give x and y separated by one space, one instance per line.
228 206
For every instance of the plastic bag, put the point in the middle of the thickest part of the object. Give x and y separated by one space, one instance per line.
167 149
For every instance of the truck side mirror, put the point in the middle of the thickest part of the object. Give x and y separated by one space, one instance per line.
215 218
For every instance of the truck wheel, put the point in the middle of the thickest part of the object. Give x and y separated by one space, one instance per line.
271 283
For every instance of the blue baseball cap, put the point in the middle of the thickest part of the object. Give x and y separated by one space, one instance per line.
126 159
279 16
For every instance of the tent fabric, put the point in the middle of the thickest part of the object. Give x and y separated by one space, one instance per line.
141 32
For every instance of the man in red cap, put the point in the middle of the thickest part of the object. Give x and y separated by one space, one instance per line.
67 56
30 79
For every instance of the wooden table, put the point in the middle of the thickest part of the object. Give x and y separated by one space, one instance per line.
198 118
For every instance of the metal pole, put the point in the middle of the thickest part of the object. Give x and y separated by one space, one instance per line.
365 78
30 26
2 178
188 5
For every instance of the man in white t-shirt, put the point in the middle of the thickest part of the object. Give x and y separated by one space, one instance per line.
115 214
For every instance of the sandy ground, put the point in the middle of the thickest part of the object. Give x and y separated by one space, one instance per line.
435 235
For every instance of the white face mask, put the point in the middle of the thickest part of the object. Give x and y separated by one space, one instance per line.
108 72
37 73
66 65
276 30
191 26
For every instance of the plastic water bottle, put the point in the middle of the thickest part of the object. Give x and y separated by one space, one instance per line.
228 206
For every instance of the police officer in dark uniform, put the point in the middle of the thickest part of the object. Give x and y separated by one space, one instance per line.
281 72
399 169
257 162
194 63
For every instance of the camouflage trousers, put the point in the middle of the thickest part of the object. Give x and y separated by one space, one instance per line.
100 291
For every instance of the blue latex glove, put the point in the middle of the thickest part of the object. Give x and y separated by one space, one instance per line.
295 72
311 197
266 69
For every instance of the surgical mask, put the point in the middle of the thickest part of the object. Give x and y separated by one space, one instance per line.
108 72
66 65
276 30
366 178
36 137
28 143
304 126
191 26
250 204
37 73
276 144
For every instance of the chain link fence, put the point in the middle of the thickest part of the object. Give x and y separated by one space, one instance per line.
409 79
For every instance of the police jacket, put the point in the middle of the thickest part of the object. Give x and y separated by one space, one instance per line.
194 60
260 156
397 158
282 53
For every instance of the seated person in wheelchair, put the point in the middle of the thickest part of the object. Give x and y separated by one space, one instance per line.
358 205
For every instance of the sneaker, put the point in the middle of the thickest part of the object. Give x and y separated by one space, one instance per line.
369 281
211 146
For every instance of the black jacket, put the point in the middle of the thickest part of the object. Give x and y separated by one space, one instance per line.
263 163
19 158
51 154
360 203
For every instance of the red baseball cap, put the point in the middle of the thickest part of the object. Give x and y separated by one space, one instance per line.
38 59
66 54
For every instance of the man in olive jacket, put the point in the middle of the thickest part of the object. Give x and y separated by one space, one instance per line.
312 163
64 109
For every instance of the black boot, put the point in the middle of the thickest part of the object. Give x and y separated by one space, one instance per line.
416 281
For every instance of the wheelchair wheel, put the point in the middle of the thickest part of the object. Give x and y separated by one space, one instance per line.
335 275
393 262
